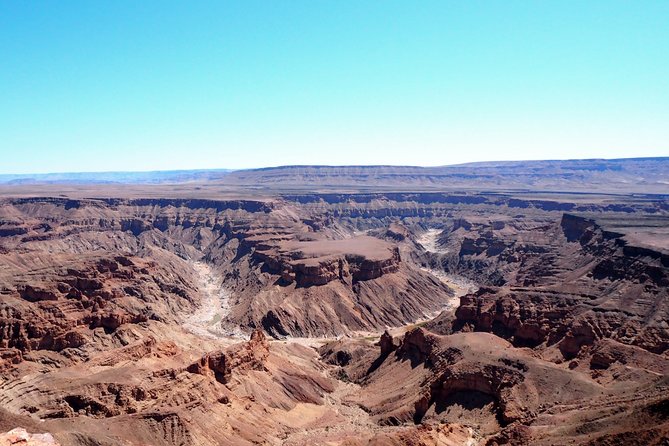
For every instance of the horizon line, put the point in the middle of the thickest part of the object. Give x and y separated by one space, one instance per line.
228 170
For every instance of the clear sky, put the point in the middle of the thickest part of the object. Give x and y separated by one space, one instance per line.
143 85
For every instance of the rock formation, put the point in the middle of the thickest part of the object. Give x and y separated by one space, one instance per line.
558 335
20 436
598 287
250 355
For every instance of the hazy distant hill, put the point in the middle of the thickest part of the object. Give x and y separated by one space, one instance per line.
631 175
640 175
154 177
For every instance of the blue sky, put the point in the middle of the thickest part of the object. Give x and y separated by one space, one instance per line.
150 85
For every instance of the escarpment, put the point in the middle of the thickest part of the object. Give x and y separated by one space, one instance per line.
317 262
61 305
273 258
127 320
474 376
587 283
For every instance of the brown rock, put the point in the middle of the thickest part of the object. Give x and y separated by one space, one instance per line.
36 294
9 357
238 358
387 344
20 436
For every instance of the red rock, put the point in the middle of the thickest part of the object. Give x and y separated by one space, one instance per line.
20 436
238 358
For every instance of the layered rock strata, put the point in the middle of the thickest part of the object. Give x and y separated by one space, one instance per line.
582 284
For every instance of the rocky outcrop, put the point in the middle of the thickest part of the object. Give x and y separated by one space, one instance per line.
575 227
421 346
397 232
348 269
20 436
363 268
428 374
59 307
454 373
316 273
523 316
482 245
387 344
239 358
585 284
36 294
113 320
10 357
316 262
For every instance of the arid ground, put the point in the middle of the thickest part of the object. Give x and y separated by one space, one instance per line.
485 305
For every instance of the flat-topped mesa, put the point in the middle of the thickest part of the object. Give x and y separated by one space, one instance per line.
306 273
317 261
366 269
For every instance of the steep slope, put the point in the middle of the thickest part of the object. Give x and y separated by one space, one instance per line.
506 395
563 285
102 263
643 175
116 316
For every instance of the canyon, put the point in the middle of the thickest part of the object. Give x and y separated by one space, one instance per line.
309 305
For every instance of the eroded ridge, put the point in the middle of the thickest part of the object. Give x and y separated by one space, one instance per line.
550 327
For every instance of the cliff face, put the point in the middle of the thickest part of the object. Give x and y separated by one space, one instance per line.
63 304
251 355
498 384
309 259
93 294
266 250
599 287
512 397
349 268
